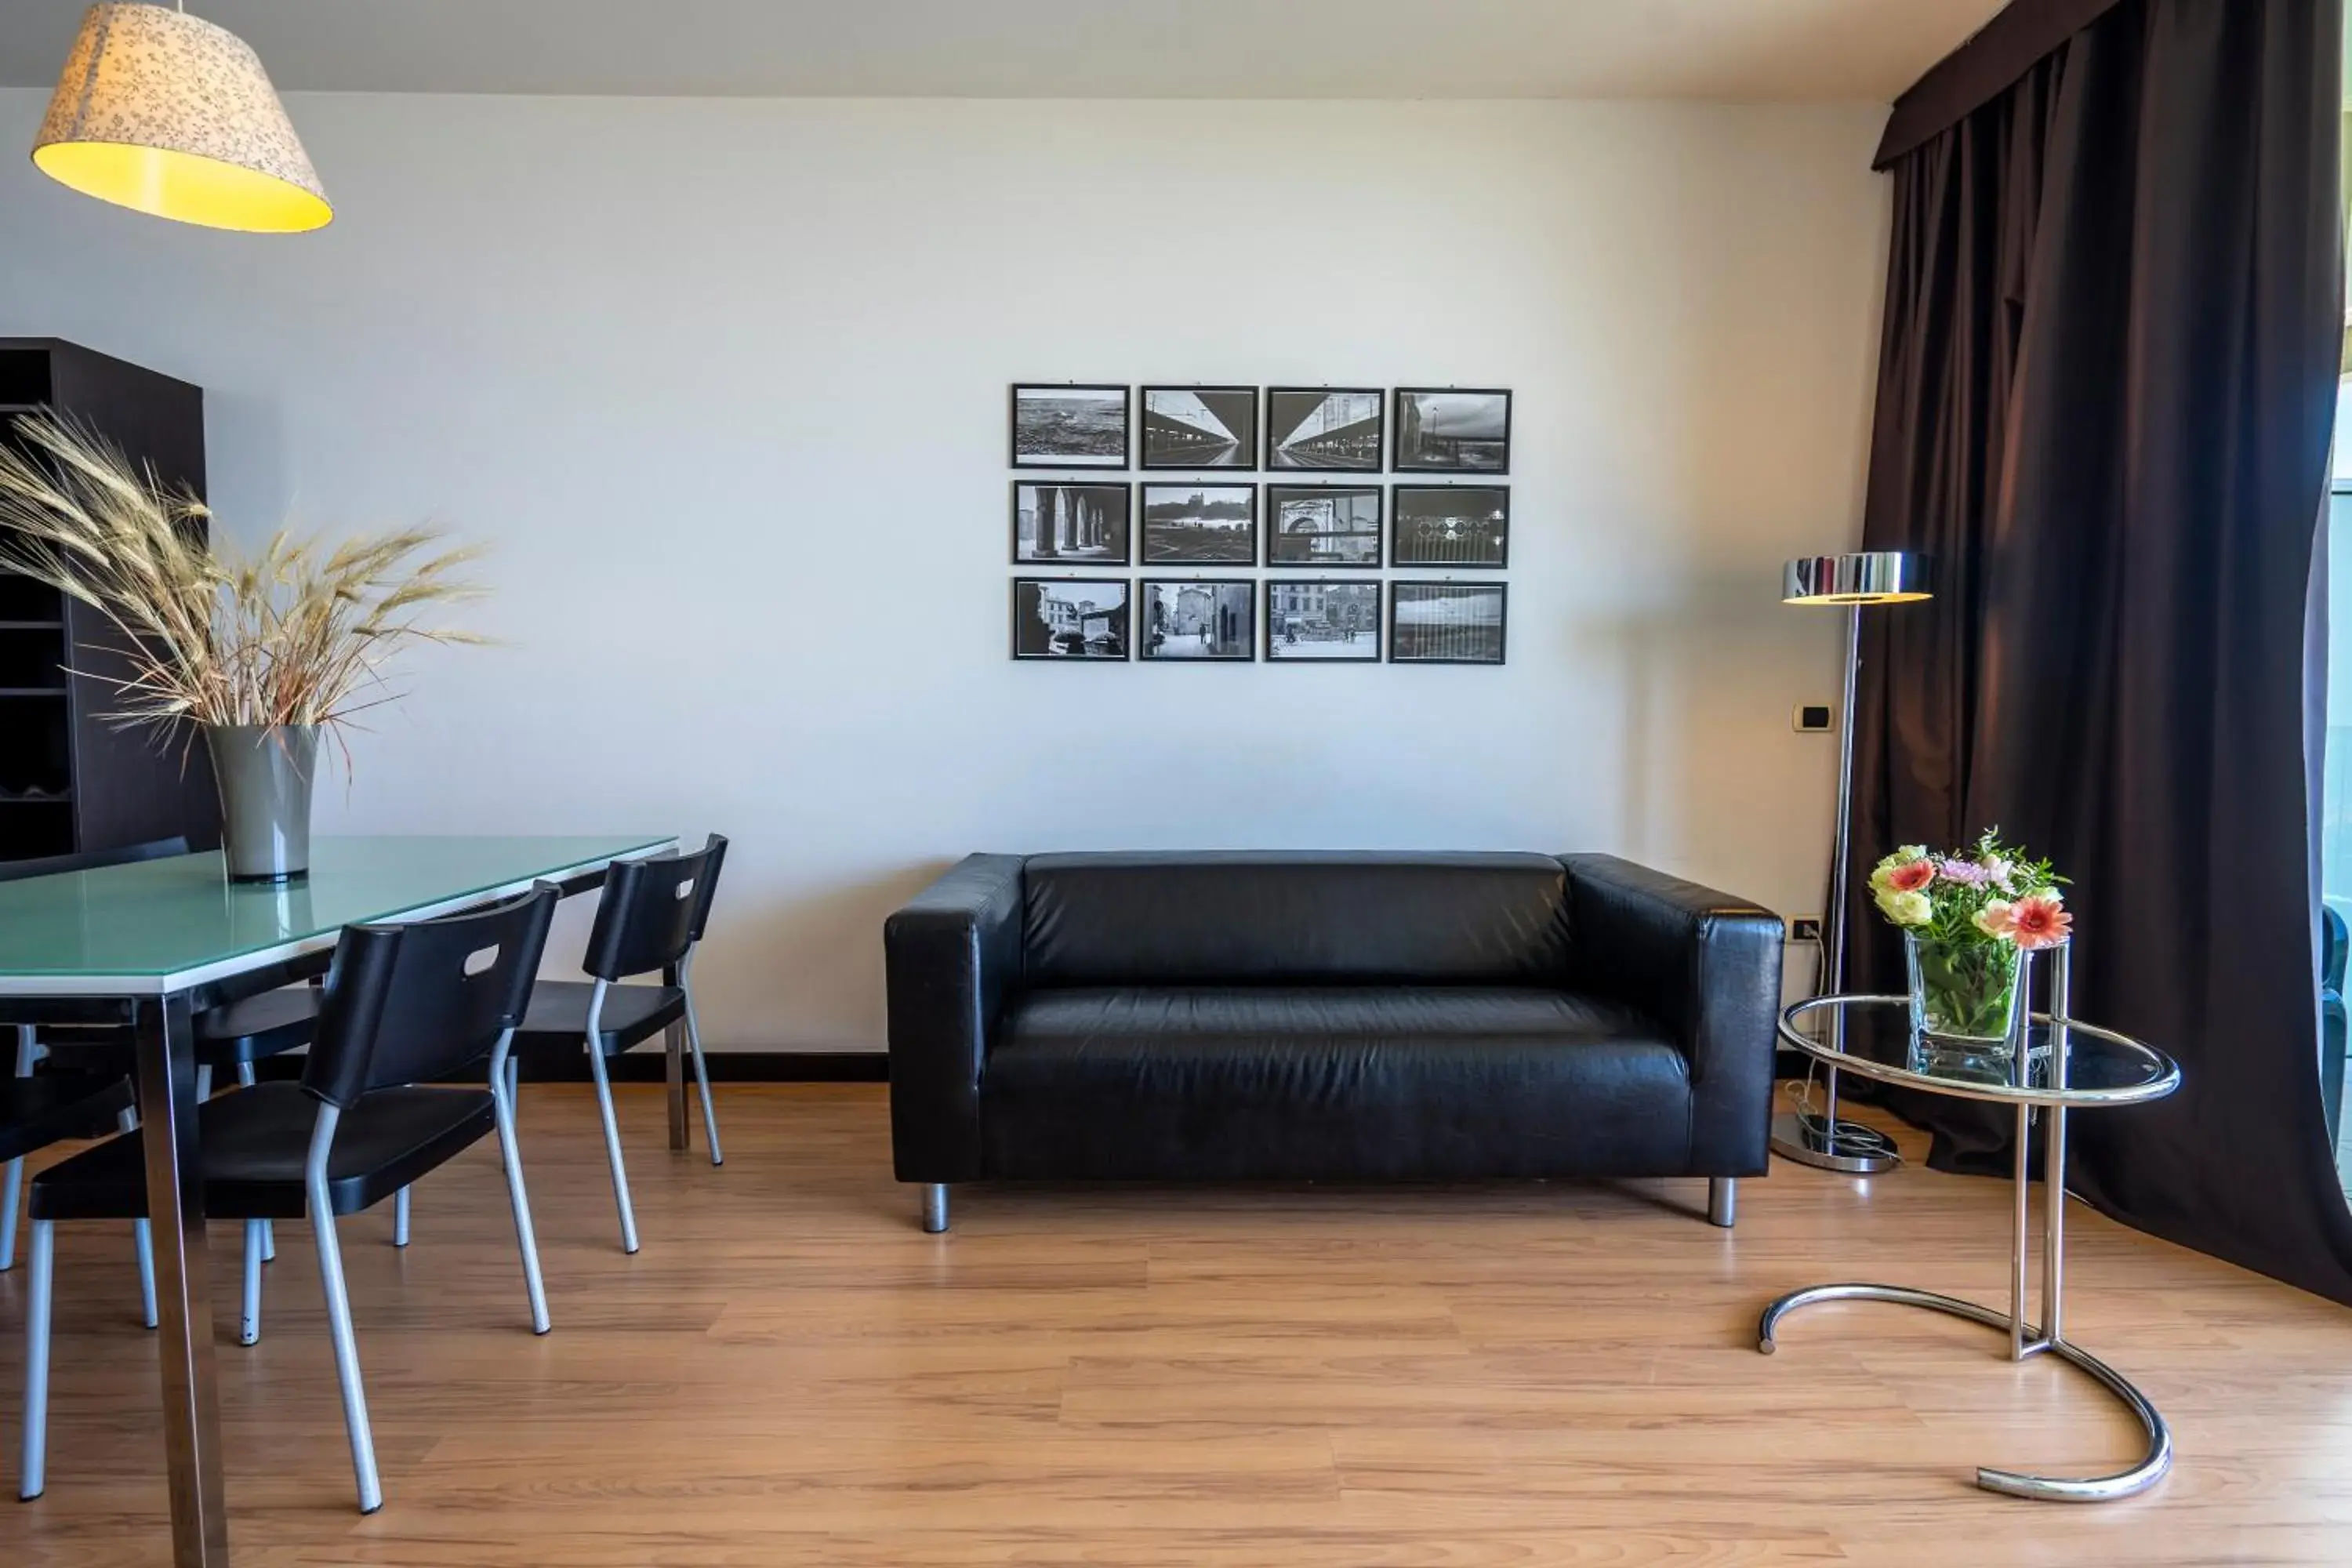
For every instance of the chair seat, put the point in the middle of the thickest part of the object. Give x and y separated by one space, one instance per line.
557 1016
255 1141
1389 1083
48 1107
269 1024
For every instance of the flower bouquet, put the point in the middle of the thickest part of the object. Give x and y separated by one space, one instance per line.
1965 919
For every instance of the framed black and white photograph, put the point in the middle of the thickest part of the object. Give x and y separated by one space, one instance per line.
1326 623
1082 525
1198 620
1069 617
1200 426
1445 623
1069 427
1450 525
1199 525
1323 525
1445 430
1319 427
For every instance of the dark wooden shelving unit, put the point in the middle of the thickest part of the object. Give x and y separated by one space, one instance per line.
69 780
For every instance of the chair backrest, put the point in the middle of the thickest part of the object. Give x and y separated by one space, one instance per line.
91 859
653 910
408 1003
1270 918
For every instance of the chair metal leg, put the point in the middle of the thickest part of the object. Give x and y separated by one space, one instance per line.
11 1189
204 1082
32 1475
511 1156
613 1148
701 1072
142 1240
12 1193
399 1218
246 1077
339 1311
248 1321
1722 1201
935 1207
347 1352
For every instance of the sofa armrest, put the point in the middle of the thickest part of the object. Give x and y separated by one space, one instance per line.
949 956
1704 964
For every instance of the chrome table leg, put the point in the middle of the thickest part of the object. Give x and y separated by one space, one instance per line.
167 1122
2158 1458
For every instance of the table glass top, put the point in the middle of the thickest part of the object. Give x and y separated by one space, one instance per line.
168 917
2078 1064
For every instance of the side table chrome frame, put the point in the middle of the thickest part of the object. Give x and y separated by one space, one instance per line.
2024 1343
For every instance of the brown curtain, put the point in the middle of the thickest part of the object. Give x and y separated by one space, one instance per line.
2105 402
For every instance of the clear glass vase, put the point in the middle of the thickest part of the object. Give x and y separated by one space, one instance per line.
1964 1000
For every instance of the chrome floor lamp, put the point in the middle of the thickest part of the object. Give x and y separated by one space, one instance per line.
1850 582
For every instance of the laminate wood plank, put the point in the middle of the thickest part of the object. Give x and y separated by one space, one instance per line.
1475 1376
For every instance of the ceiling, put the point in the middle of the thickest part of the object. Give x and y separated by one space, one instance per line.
1789 49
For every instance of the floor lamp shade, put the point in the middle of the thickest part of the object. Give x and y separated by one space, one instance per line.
165 114
1865 577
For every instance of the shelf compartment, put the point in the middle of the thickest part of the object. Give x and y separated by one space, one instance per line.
23 599
35 829
33 659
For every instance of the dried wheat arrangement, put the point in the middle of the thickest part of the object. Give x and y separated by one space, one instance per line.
296 634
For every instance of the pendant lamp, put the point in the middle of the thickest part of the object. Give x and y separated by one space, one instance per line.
165 114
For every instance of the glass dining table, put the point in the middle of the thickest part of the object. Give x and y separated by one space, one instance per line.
151 943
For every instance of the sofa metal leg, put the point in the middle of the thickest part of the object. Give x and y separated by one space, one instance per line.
1722 1201
935 1207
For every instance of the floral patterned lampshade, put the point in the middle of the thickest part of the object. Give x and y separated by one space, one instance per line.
166 113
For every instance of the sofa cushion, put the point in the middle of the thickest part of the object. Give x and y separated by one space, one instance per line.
1372 1082
1298 918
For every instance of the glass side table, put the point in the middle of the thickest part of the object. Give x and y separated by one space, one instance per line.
2059 1064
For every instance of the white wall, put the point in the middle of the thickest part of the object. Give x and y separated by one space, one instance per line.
724 384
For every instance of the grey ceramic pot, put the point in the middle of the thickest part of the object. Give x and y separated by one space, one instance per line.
264 773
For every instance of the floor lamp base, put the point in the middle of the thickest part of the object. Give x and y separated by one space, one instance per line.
1856 1148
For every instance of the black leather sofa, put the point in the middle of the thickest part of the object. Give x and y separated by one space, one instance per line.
1344 1017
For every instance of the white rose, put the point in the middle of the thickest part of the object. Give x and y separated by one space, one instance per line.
1907 909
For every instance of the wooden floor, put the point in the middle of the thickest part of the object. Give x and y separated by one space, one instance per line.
792 1373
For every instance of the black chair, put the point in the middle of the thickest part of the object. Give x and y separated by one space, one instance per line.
113 1068
649 917
404 1005
233 1036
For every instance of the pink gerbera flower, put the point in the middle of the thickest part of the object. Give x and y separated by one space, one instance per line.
2039 921
1910 878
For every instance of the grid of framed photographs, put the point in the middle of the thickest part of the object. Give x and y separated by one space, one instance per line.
1325 536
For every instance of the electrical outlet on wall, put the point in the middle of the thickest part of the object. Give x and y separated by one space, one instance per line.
1804 928
1814 718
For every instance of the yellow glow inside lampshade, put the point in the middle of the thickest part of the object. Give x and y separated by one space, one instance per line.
182 185
165 114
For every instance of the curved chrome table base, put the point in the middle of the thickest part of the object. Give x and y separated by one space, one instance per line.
2153 1075
2047 1488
